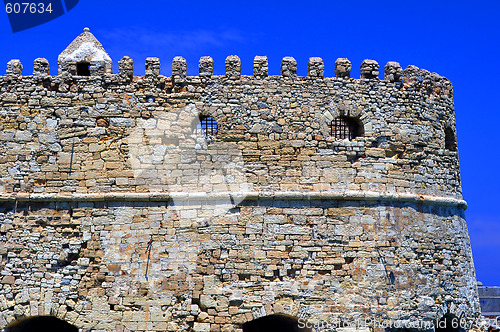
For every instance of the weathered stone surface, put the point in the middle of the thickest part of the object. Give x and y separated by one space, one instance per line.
289 67
14 67
206 66
393 72
233 66
369 69
126 67
152 66
116 214
179 69
41 67
343 67
85 49
315 67
260 66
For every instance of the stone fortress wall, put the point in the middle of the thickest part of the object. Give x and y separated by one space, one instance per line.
118 213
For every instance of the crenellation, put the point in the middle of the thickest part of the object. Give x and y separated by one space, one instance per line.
206 66
343 68
369 69
260 67
179 70
289 67
152 67
233 66
126 67
315 67
412 76
393 72
40 67
14 68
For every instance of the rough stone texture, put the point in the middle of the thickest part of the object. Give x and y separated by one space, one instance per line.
343 68
421 79
260 67
14 67
289 67
206 66
40 67
372 227
179 70
393 72
67 68
369 69
233 66
152 66
315 67
126 67
86 48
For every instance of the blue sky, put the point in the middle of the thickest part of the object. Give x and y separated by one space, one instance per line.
456 39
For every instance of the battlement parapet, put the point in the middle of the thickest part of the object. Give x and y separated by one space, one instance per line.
85 56
412 78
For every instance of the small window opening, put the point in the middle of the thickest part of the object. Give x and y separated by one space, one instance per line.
450 143
344 127
207 126
83 69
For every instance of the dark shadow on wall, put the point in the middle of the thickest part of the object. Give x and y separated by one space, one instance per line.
435 209
41 324
275 323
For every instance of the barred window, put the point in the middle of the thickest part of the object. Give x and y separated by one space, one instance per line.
450 143
207 126
344 127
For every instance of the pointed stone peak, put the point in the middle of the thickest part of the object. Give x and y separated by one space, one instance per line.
85 50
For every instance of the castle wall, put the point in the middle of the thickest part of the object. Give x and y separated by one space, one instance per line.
281 127
314 259
118 213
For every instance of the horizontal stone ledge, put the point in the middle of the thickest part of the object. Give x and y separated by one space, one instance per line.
251 195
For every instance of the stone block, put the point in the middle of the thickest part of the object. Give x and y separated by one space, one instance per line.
289 67
315 67
14 68
179 69
126 67
369 69
393 72
206 66
40 67
233 67
152 66
260 66
343 68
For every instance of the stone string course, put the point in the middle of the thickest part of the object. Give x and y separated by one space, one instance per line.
372 227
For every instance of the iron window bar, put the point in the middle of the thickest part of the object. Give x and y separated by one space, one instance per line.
208 126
